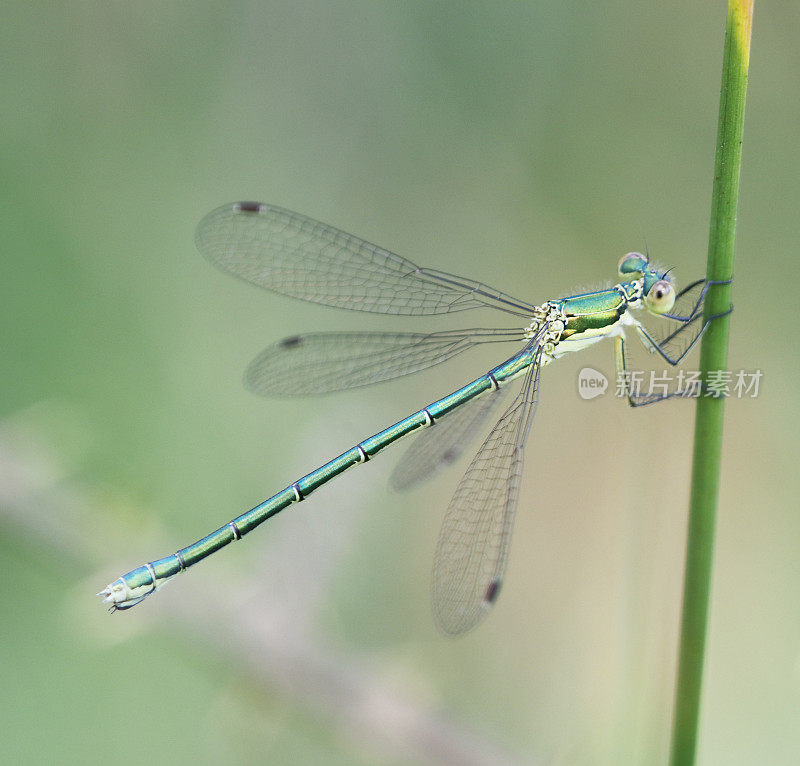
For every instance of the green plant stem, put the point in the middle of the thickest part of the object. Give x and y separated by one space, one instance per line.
709 414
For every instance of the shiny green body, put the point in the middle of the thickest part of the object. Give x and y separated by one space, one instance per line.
585 318
595 314
151 576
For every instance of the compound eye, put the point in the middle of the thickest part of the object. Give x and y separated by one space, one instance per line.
632 265
660 297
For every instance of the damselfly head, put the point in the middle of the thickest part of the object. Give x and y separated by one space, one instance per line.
658 286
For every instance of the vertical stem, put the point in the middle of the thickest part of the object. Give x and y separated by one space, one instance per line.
713 356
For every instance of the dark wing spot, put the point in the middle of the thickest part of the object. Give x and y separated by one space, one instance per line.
492 591
290 342
449 456
248 207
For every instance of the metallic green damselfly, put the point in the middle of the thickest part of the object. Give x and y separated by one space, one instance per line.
296 256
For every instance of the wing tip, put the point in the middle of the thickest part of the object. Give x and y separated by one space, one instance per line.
454 622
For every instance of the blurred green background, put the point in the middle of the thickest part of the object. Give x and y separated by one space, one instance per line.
525 145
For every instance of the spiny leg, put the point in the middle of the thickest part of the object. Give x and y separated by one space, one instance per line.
624 379
670 344
699 302
655 346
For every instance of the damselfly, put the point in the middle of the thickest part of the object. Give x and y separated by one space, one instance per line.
296 256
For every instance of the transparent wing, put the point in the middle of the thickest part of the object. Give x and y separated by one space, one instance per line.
321 362
303 258
472 551
440 446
